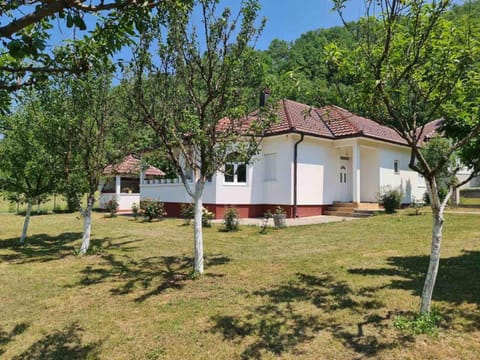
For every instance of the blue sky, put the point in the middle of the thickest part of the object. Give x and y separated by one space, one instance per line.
288 19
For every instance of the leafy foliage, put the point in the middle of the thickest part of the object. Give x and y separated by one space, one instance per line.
426 323
152 209
390 199
230 219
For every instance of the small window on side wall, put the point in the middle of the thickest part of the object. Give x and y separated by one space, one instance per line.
396 167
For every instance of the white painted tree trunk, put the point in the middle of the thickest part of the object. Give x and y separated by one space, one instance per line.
198 231
432 272
26 222
438 208
87 226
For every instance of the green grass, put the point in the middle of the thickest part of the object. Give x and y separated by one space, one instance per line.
469 201
314 292
54 202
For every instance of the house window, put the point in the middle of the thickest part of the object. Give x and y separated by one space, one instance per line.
235 171
343 174
270 167
396 167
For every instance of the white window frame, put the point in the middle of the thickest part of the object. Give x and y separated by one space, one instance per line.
235 175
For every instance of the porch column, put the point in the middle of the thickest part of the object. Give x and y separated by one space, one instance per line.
356 173
118 180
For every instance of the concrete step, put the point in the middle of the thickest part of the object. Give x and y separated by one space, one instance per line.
345 214
368 212
341 208
343 204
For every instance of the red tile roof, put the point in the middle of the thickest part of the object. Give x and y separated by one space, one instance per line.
333 122
131 165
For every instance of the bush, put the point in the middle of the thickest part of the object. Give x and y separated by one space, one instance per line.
390 199
135 211
266 216
187 213
230 219
112 207
207 217
151 209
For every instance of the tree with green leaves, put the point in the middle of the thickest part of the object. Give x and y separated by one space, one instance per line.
193 93
28 169
413 65
87 134
34 45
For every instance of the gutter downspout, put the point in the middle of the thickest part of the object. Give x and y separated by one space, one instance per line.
295 176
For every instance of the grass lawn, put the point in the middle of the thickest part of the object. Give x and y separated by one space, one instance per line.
328 291
469 201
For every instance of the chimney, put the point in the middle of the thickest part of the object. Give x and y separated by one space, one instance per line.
264 95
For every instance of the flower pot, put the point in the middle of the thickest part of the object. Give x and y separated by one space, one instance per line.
280 220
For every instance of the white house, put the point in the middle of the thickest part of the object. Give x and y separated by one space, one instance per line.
310 159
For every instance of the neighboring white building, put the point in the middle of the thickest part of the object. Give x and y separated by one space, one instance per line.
309 160
123 181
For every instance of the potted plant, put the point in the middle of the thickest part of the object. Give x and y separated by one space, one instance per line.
280 217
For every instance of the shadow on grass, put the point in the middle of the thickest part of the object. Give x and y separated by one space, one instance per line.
285 321
62 344
39 247
44 248
457 281
8 336
150 276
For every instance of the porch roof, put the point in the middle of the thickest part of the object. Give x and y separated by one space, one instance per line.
131 165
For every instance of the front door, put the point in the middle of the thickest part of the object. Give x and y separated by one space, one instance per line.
344 182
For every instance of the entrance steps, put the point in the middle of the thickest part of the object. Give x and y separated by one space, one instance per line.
350 209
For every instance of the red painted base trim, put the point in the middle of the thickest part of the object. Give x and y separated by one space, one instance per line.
249 210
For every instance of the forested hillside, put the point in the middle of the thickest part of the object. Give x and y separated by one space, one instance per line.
298 70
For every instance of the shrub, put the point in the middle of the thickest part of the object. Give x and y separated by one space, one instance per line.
151 209
266 216
112 207
187 213
230 219
135 211
390 199
207 217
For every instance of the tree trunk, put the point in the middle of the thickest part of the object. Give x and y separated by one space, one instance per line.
434 260
26 222
87 225
198 231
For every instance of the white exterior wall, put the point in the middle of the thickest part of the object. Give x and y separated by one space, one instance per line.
125 201
258 190
175 192
317 168
279 191
370 175
407 180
